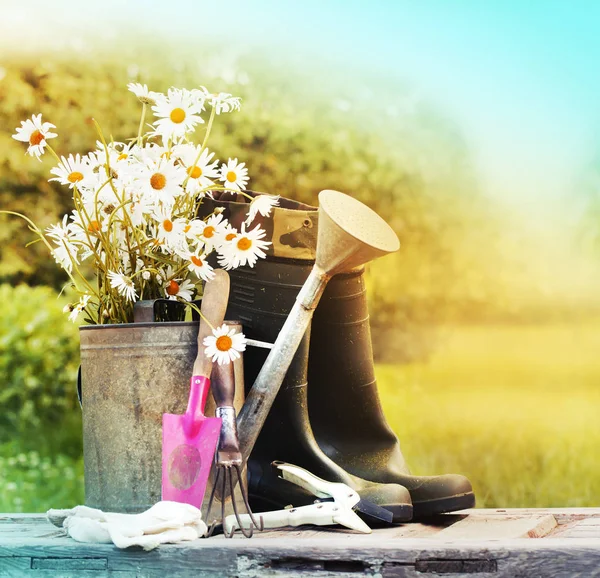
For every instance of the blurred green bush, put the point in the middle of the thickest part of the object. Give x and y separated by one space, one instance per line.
33 482
297 137
39 357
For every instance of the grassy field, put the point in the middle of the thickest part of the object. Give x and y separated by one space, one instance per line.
515 408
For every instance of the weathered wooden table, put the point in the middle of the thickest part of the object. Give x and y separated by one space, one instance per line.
494 543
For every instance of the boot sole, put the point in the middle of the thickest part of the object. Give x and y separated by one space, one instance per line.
430 508
400 512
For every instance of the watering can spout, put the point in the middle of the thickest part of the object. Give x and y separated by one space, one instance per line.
350 234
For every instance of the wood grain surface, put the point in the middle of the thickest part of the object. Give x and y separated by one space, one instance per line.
486 543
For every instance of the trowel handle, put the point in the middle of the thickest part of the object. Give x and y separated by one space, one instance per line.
223 384
199 387
214 304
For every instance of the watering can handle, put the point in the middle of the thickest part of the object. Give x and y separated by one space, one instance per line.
79 388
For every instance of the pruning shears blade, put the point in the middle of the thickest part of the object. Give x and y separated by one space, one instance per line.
351 520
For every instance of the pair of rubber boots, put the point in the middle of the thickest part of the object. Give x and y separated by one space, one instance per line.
335 428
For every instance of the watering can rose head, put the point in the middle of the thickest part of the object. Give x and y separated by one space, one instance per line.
135 207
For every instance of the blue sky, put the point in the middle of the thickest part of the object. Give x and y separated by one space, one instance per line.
519 77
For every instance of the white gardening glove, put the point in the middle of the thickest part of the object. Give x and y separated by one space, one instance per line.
165 522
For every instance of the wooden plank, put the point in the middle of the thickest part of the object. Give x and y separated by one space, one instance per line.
410 550
496 528
562 515
11 567
587 528
412 530
339 556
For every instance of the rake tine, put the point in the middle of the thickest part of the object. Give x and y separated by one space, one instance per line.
210 504
260 527
248 533
226 474
212 528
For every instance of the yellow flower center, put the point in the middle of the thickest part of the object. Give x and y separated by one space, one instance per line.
158 181
194 172
229 236
208 231
168 225
244 244
196 261
173 288
122 157
231 176
187 228
75 177
224 343
36 138
178 115
93 227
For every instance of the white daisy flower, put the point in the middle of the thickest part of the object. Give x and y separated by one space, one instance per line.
201 172
178 112
82 229
36 133
71 171
224 102
64 236
243 249
138 207
212 232
169 231
197 263
193 231
143 94
234 175
261 204
77 309
162 182
121 166
65 254
61 231
224 345
174 289
123 284
227 233
149 154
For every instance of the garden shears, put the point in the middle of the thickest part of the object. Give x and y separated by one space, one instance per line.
336 504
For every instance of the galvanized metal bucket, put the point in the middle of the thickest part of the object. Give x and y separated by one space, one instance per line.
130 375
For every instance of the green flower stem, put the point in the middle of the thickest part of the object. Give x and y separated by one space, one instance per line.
33 227
53 153
197 310
139 136
208 129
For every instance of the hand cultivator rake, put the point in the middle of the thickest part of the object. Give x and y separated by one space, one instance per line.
228 458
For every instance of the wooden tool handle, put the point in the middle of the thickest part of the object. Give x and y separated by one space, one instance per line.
214 304
223 384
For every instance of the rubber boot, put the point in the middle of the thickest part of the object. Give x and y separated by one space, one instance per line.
344 406
261 298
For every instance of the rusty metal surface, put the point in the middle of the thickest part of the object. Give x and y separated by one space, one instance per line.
131 375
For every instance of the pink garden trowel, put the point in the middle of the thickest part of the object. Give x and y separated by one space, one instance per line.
190 440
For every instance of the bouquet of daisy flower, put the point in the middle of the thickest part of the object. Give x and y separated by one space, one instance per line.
136 204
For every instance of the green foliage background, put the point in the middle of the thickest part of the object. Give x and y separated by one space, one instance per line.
414 168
